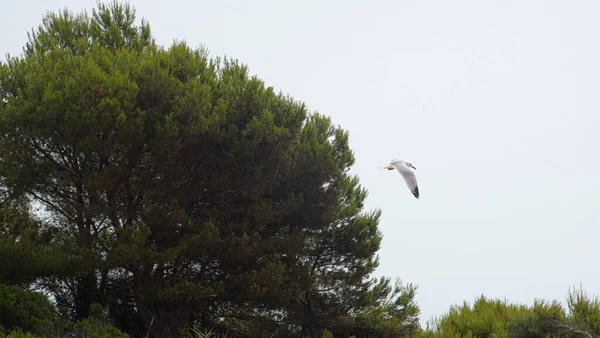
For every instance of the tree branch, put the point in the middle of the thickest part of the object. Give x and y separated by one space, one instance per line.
53 206
571 328
47 156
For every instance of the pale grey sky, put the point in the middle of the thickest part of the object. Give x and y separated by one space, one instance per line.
495 102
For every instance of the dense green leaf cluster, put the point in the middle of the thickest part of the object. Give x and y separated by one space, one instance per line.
29 311
174 188
496 318
31 314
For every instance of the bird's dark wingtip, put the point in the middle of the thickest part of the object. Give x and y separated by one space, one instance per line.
416 192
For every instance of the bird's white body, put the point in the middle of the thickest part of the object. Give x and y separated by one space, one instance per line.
407 170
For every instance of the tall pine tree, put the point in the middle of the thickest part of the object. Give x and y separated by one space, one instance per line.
182 190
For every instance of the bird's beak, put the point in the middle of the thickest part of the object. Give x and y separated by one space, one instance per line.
412 166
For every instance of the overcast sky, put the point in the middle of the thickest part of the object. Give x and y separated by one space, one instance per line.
495 102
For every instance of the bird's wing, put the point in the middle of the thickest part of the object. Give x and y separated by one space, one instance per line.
410 178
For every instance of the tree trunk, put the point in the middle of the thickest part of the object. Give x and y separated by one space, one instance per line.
153 319
85 295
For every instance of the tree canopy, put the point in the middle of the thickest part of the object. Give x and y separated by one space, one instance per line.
174 189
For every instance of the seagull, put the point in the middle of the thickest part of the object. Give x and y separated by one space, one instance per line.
404 168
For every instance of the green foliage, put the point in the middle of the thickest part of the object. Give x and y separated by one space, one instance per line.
27 311
327 334
20 256
485 318
180 189
390 311
30 314
584 311
97 326
195 331
495 318
18 334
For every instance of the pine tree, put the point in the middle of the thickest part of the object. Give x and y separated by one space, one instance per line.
183 190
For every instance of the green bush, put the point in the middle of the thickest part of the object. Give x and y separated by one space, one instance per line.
97 326
496 318
27 311
18 334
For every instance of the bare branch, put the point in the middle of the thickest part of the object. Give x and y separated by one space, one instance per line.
571 328
52 205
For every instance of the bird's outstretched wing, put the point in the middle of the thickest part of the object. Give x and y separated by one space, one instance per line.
410 178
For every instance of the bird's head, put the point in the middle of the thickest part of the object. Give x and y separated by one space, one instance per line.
396 162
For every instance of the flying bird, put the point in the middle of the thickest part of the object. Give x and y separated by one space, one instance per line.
406 170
